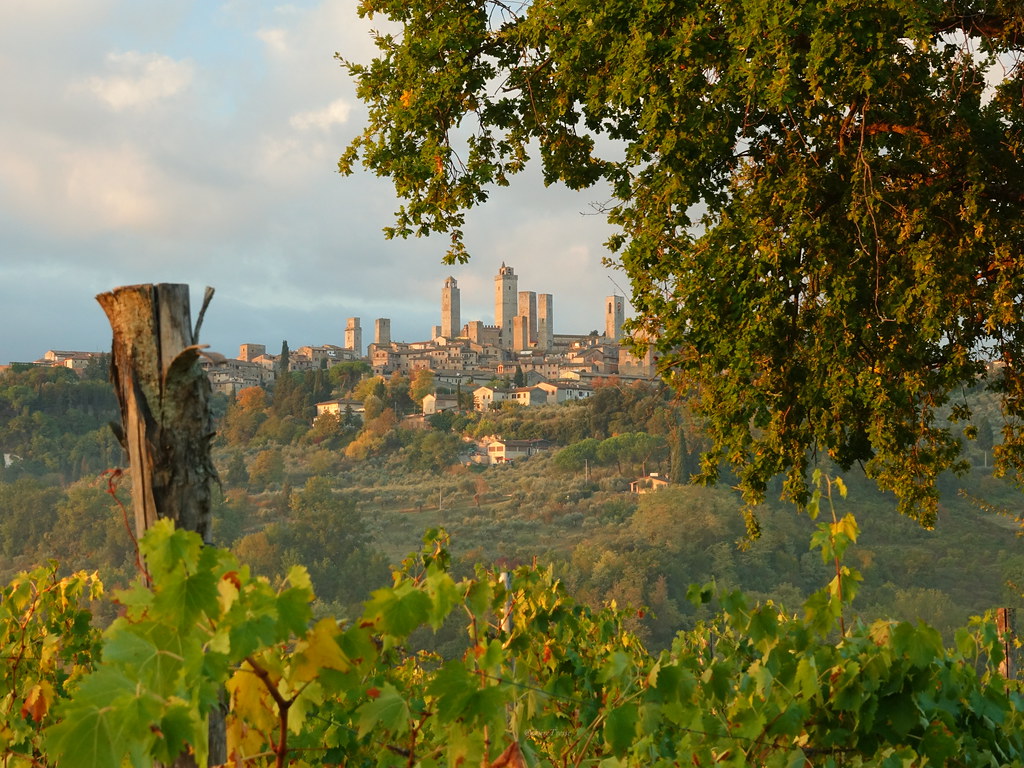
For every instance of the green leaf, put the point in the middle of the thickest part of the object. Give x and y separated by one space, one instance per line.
388 712
453 686
398 610
179 727
186 599
153 656
101 725
479 597
620 728
443 592
294 611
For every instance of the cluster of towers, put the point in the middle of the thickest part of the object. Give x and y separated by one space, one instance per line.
523 319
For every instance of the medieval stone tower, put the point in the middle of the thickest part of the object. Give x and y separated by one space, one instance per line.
451 324
614 317
354 336
545 322
528 309
506 302
382 331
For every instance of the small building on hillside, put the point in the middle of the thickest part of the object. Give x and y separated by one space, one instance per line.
648 483
562 391
506 451
437 403
485 397
341 407
529 396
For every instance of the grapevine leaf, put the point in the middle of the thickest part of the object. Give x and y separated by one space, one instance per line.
37 701
178 728
318 650
453 686
389 712
479 597
188 598
620 728
443 593
293 611
100 724
399 610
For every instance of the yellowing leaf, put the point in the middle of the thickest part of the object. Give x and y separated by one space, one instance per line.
318 650
38 701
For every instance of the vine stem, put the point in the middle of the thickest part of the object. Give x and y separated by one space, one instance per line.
113 477
283 705
835 558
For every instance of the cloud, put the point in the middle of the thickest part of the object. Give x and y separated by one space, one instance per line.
205 152
276 40
111 190
140 80
335 113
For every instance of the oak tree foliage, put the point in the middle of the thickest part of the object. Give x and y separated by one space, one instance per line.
817 202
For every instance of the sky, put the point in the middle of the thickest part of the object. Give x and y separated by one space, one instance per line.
146 141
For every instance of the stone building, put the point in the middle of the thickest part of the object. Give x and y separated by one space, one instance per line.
528 309
451 323
478 333
614 317
382 331
354 336
545 322
250 352
506 302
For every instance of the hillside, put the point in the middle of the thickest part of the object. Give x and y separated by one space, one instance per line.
346 499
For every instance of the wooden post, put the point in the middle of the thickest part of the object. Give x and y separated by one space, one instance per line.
165 403
1004 625
166 420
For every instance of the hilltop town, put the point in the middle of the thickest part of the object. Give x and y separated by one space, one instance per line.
520 347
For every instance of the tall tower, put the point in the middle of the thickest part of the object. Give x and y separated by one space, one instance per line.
354 336
614 317
382 332
506 299
520 333
545 322
451 324
528 308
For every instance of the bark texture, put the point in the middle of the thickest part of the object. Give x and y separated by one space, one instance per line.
166 422
165 404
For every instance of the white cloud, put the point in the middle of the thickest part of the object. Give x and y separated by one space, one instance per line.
275 39
211 160
111 190
335 113
139 79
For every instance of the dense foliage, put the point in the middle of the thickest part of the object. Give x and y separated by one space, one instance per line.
540 680
817 202
55 423
304 494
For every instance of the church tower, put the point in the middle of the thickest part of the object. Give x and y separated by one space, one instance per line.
451 324
506 302
614 317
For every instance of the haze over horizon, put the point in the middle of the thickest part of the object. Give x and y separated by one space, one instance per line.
197 143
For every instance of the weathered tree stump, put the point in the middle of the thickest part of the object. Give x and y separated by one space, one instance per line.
166 422
165 403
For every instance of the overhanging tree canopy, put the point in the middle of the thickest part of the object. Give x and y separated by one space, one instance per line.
818 202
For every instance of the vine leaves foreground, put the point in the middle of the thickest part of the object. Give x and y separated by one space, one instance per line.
543 680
